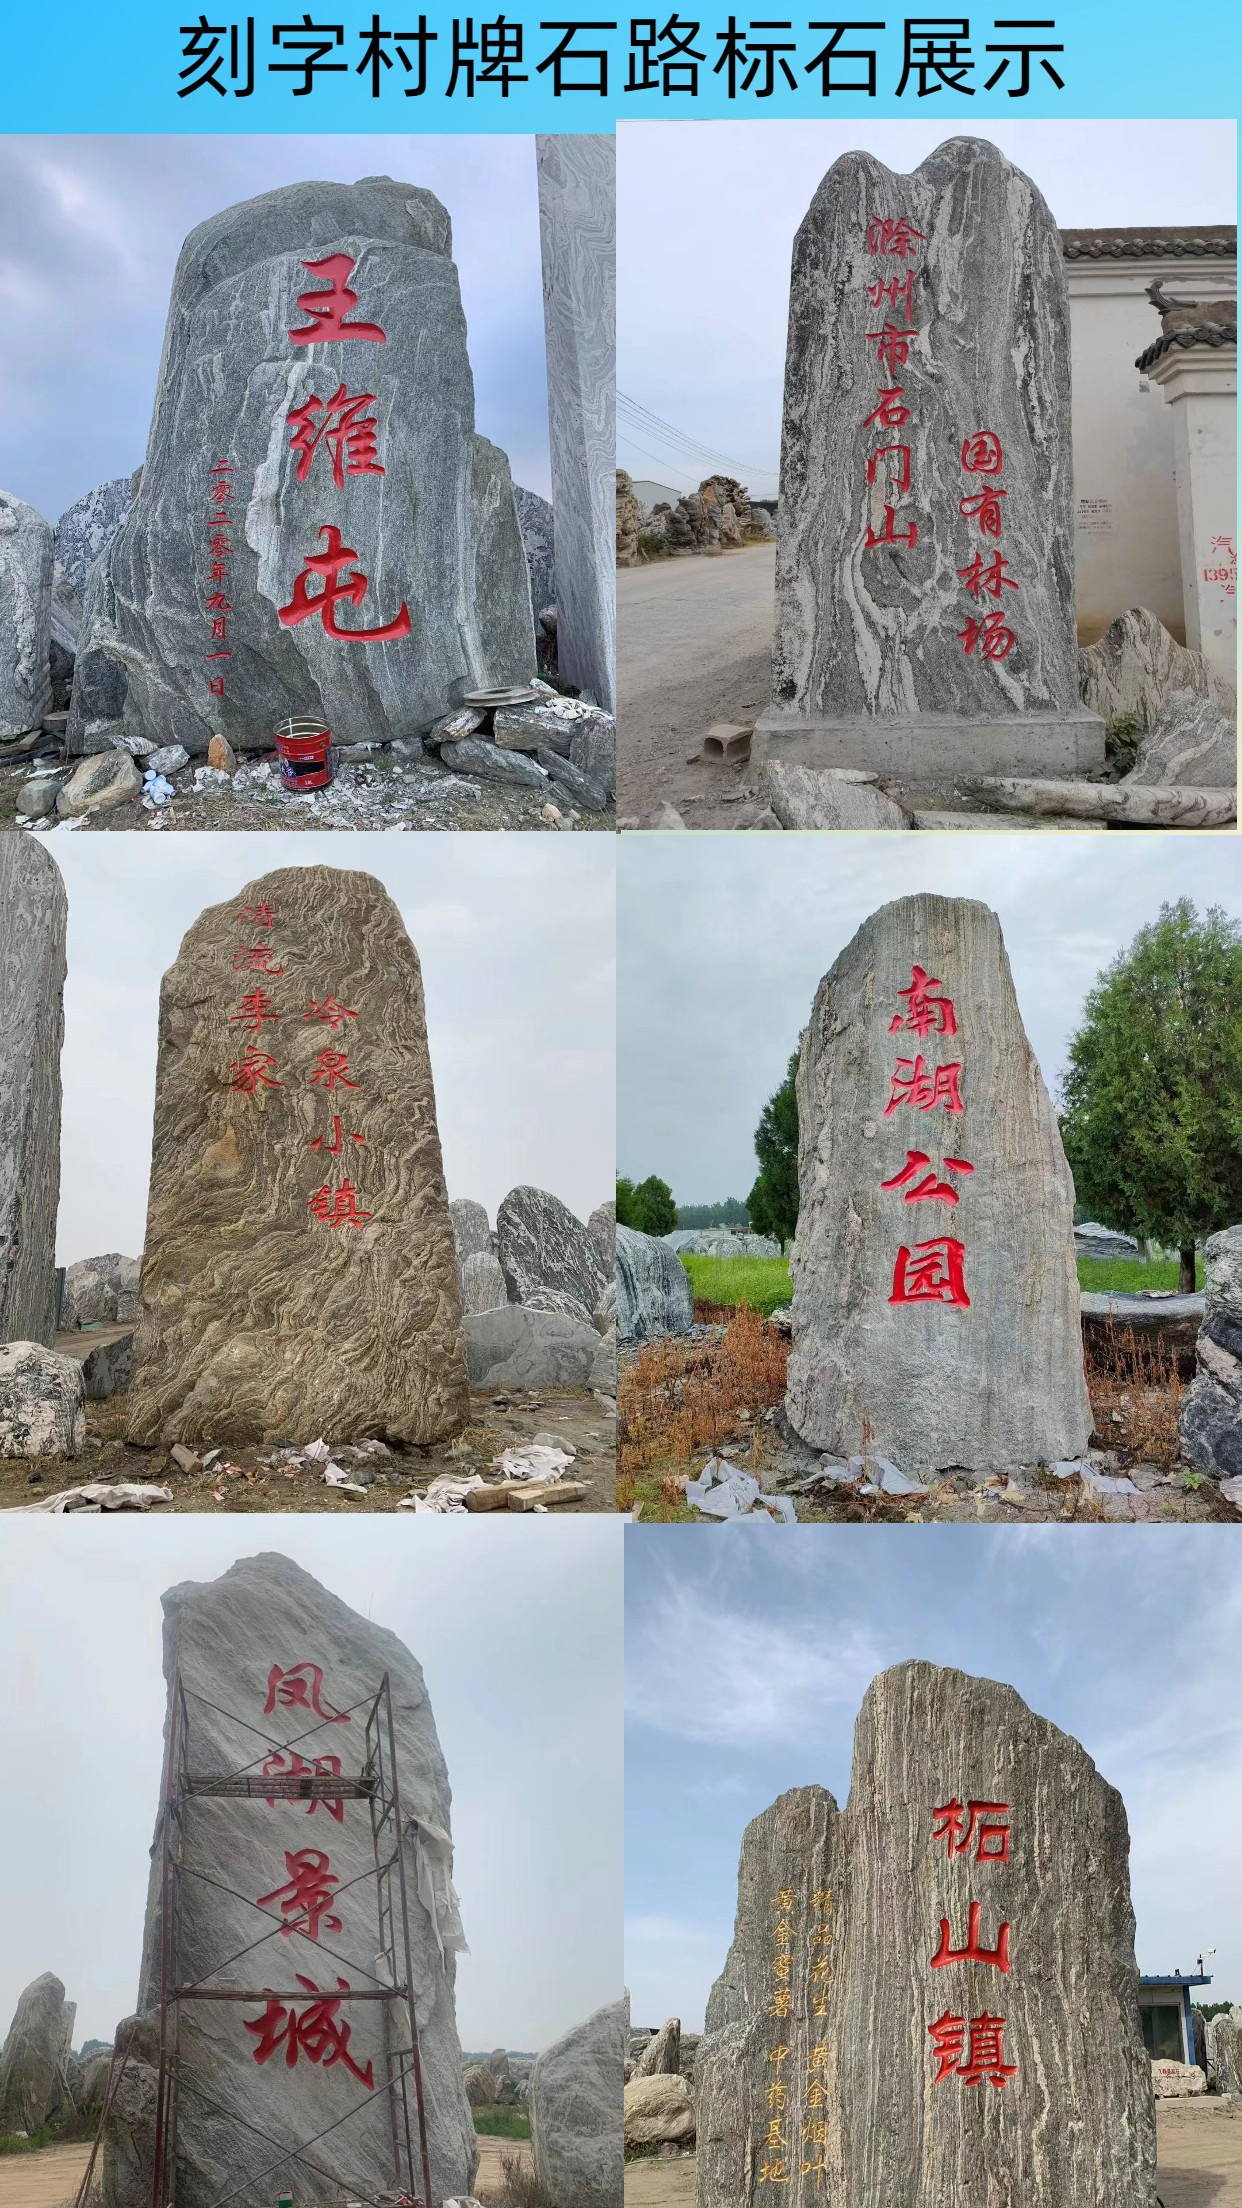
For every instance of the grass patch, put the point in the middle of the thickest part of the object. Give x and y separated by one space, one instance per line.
502 2123
1113 1276
72 2130
760 1283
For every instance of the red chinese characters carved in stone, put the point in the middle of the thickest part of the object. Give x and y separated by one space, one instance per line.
890 413
986 2056
923 1087
255 1007
352 589
892 346
252 1071
329 1013
972 1952
300 1687
328 309
925 1015
894 235
978 1822
995 641
897 292
980 576
984 507
928 1189
331 1068
981 453
932 1272
346 433
306 1894
257 959
899 476
890 533
293 1766
260 917
338 1207
337 1143
315 2032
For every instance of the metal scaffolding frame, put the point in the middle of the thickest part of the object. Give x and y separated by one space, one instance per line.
392 1980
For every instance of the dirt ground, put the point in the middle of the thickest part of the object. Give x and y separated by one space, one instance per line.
240 1481
1199 2162
50 2179
493 2154
694 645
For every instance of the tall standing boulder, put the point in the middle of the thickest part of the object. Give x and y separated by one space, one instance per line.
34 2063
299 1277
1223 2050
575 2098
1209 1420
654 1296
318 529
26 560
268 1673
969 1914
87 528
542 1244
925 563
33 919
935 1289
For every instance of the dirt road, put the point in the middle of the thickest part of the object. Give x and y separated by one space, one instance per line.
46 2180
694 644
493 2154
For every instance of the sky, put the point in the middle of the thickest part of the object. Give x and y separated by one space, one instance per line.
523 1667
707 214
1129 1642
515 935
722 952
92 230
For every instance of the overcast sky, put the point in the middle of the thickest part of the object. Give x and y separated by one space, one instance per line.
520 1641
722 950
516 939
706 219
92 230
1132 1644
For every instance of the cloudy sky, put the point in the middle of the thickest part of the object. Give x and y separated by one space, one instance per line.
1131 1644
524 1676
92 230
706 217
722 951
516 939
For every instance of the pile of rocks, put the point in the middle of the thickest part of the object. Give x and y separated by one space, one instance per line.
538 1293
495 2083
718 517
659 2108
721 1242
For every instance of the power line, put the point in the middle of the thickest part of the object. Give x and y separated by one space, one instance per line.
690 448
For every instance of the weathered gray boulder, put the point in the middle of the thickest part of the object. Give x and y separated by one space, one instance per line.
471 1229
1224 2052
935 1290
541 1244
1093 1240
517 1348
107 1363
539 544
560 1300
653 1289
602 1228
107 778
100 1291
575 2114
603 1372
810 797
486 762
658 2111
33 918
318 530
1210 1417
604 1316
661 2057
42 1402
95 2079
924 575
35 2062
1136 665
482 1283
87 528
25 617
1177 2081
947 1915
297 1673
1192 744
480 2086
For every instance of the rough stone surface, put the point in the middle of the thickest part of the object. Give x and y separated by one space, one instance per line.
536 523
541 1244
576 786
593 750
658 2110
87 528
471 1227
224 1638
25 617
261 1319
485 762
1177 2081
33 916
661 2057
1210 1418
36 2059
106 1366
603 1372
1192 744
1136 665
516 1348
602 1228
1224 2052
106 778
807 797
1093 1240
577 230
877 634
721 1242
559 1300
653 1289
100 1291
42 1402
862 1893
480 2086
436 531
575 2114
604 1316
988 1385
482 1283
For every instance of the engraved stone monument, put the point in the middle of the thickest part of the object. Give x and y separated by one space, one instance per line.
33 915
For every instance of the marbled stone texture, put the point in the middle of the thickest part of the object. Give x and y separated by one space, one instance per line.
261 1319
990 1386
33 918
25 617
577 227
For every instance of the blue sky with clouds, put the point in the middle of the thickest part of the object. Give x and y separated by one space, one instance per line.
92 230
747 1655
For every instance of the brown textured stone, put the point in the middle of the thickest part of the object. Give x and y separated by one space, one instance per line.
33 912
865 1891
260 1320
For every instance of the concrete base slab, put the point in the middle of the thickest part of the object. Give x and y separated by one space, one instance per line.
933 746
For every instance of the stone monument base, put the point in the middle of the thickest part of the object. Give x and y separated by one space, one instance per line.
931 747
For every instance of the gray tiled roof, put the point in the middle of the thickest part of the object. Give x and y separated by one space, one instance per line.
1213 241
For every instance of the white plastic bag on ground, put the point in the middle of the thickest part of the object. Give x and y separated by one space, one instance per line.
446 1493
535 1461
723 1490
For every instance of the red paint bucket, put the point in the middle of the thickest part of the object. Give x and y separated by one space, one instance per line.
302 748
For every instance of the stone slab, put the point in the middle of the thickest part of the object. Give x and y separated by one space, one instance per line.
934 746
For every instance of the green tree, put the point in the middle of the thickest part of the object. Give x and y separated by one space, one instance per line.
625 1204
1152 1100
773 1201
655 1211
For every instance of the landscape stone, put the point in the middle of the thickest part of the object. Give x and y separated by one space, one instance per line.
1177 2081
273 444
575 2114
654 1296
480 2086
105 778
266 1649
106 1366
536 523
471 1227
593 750
297 1284
488 763
36 799
1209 1419
87 528
1191 744
95 2079
862 1895
722 1242
572 781
927 368
517 1348
658 2109
100 1291
559 1300
603 1372
541 1244
42 1402
1224 2051
661 2057
25 617
33 919
941 1310
602 1228
35 2061
547 721
604 1316
482 1283
1136 665
809 797
1093 1240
